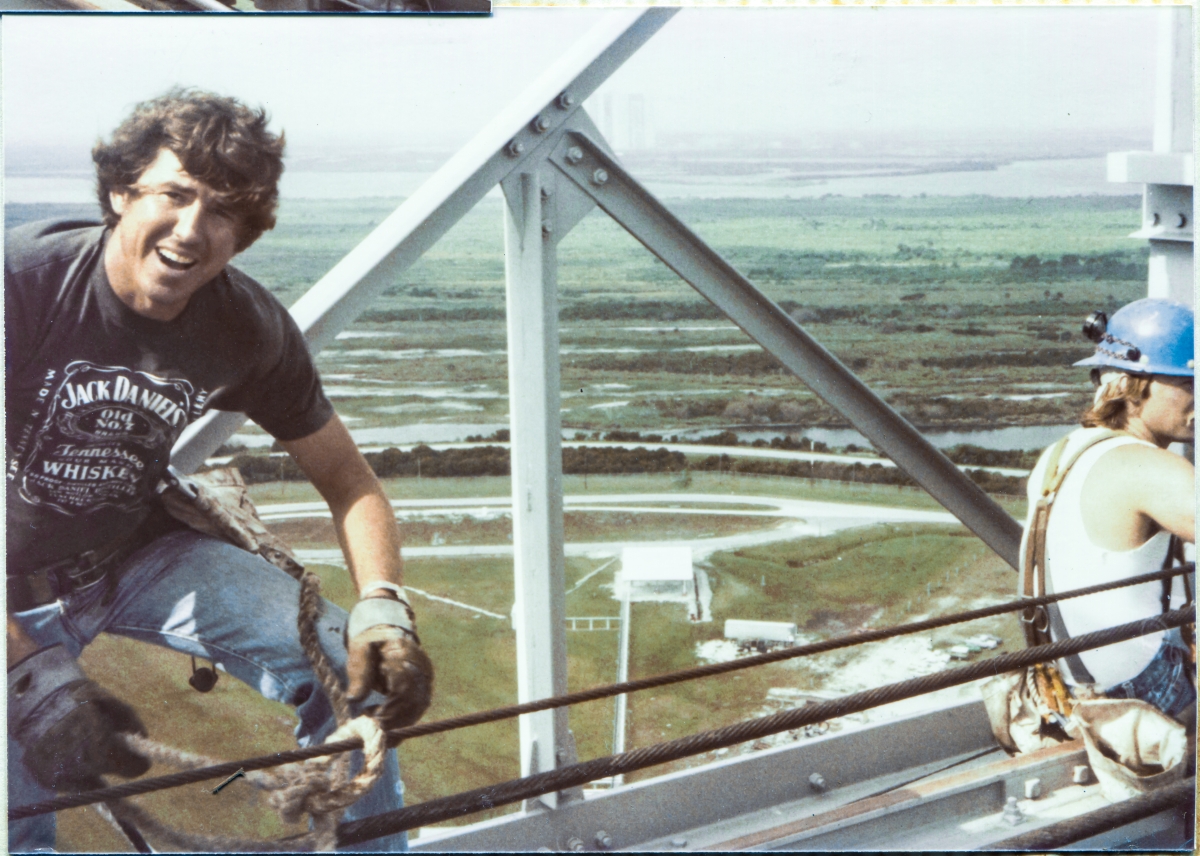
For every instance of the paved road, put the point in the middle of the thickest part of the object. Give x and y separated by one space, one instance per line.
798 518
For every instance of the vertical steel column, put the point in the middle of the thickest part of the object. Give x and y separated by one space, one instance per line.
536 425
1171 260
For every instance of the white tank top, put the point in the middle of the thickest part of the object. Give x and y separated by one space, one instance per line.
1074 561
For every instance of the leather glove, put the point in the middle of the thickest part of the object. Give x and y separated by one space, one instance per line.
68 725
385 655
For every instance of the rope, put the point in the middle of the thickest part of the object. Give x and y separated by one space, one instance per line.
1105 819
262 762
310 609
320 787
481 799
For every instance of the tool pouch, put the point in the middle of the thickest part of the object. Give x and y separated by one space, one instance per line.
1132 747
1027 709
218 503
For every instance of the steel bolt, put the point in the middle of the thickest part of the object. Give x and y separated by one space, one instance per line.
574 154
817 782
679 842
1033 788
565 100
515 147
575 845
1182 221
599 177
1012 812
545 193
1082 774
541 124
547 228
604 840
1156 219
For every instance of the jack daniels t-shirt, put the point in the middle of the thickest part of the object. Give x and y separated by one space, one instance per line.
96 395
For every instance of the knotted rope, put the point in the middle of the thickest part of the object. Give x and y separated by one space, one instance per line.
320 787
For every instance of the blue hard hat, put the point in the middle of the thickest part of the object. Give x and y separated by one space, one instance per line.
1149 336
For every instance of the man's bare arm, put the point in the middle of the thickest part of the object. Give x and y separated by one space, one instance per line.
1136 491
363 517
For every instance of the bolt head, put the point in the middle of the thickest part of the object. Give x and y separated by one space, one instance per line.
547 228
599 177
574 154
540 124
817 782
565 100
515 147
1181 221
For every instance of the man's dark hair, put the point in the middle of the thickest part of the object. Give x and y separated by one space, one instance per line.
220 142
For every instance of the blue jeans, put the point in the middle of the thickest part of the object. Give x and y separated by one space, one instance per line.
1164 683
200 595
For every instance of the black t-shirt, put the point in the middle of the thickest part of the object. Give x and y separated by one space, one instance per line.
97 395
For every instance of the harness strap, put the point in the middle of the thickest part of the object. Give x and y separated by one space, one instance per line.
1042 624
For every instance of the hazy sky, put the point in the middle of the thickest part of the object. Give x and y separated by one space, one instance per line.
370 81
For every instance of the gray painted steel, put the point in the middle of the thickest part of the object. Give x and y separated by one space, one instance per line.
644 217
534 390
668 805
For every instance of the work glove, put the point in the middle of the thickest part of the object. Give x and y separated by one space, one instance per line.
69 726
384 654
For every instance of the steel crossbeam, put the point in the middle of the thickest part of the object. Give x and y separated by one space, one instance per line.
598 174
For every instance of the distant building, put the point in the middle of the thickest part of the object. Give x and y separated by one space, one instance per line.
658 574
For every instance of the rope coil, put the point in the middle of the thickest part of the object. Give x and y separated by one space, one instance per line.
319 787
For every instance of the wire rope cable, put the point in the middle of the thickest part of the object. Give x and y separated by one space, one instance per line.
266 761
492 796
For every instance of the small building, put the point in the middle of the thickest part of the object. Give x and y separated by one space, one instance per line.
658 574
760 635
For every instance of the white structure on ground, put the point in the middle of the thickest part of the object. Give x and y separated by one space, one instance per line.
751 632
658 574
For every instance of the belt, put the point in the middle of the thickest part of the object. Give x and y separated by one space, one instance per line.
74 574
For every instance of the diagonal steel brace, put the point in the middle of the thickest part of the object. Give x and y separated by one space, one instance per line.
602 177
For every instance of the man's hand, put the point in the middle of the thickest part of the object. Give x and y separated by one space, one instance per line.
68 725
384 654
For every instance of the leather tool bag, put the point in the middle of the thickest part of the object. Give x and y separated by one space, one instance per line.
218 503
1132 747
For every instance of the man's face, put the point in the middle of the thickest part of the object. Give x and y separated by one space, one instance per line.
174 236
1169 413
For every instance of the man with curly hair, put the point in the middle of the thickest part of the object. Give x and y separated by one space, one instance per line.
1110 501
118 336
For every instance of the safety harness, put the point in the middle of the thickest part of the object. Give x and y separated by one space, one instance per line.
1043 623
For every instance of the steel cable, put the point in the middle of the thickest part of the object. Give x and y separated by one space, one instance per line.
422 729
492 796
1105 819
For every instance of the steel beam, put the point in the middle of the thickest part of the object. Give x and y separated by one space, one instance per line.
534 395
644 217
502 147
